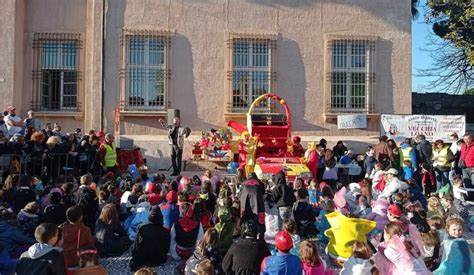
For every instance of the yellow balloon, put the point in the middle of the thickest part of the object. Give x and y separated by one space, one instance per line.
344 231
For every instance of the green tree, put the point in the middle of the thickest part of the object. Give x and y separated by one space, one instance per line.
469 91
453 54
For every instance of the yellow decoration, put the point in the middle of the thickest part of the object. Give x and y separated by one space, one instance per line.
245 134
344 231
282 101
312 145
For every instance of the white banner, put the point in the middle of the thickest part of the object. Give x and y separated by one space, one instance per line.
358 121
399 127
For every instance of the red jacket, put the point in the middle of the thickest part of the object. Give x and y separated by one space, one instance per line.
70 238
467 154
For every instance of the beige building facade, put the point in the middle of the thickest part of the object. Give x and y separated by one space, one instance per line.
92 63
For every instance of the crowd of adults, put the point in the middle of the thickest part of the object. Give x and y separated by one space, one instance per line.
416 192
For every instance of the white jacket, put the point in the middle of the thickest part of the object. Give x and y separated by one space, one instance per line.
356 266
393 187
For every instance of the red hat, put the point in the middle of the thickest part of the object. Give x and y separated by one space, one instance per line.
283 241
395 210
172 196
296 139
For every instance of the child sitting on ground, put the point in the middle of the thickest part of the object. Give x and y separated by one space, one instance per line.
399 253
394 215
70 232
359 263
408 171
304 215
457 257
312 262
290 227
434 207
170 210
313 193
44 257
28 218
283 262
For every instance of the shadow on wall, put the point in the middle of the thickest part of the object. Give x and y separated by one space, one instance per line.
112 60
183 96
384 98
381 10
291 84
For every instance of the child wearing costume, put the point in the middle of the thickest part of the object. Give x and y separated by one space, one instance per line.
457 257
283 262
359 263
311 157
312 263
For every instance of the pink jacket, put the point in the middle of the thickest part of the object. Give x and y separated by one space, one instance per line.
309 269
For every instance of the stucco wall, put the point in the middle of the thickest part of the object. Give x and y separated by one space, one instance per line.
198 73
199 46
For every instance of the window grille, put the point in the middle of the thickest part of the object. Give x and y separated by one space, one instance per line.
251 74
146 71
56 75
351 75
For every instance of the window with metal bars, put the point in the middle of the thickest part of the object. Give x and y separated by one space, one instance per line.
251 71
145 71
58 75
350 74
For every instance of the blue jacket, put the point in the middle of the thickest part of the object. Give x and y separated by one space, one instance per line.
408 173
170 212
11 237
417 195
282 264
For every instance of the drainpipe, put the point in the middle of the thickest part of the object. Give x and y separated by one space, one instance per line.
102 101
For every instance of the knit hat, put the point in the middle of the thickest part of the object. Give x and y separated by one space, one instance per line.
283 241
155 215
296 139
395 210
172 196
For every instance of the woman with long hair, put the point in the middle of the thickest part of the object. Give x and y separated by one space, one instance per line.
207 248
111 237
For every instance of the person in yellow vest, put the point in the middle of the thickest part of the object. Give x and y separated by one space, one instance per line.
442 158
408 152
108 154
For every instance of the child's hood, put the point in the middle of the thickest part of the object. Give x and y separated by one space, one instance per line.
40 249
357 266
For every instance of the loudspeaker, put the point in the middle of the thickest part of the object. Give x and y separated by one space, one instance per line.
172 113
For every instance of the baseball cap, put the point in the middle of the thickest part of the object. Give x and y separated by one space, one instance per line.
395 210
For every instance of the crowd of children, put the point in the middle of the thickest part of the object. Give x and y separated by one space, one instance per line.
405 211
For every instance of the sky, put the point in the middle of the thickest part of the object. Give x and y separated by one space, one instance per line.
421 33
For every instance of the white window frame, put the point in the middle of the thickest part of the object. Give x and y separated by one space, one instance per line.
250 69
146 66
62 69
348 70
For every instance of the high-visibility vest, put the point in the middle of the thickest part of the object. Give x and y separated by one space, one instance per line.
440 157
110 155
406 154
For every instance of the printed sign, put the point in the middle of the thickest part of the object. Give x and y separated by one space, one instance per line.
358 121
399 127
